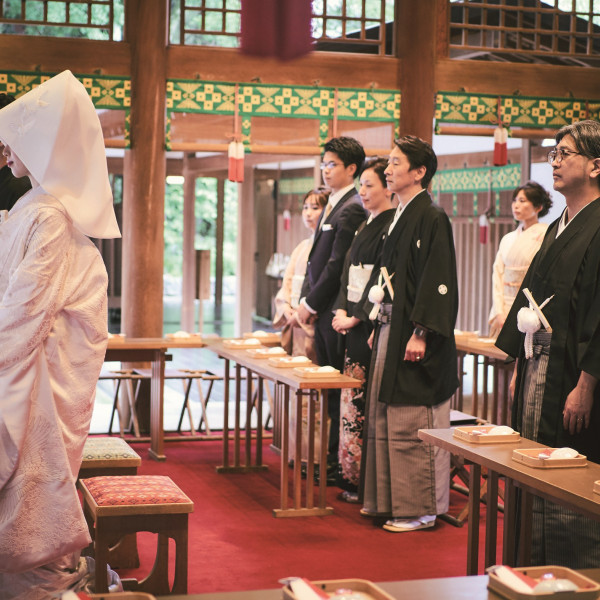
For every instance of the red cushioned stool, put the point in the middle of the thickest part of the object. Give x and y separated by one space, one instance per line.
128 504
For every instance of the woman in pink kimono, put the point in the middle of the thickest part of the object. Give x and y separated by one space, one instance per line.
517 249
53 331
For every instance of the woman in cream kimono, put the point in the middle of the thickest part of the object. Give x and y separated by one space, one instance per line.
53 331
298 339
517 249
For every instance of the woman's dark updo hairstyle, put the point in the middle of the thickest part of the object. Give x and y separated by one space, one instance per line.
378 165
537 195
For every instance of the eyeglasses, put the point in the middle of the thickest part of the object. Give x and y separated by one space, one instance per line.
559 154
329 165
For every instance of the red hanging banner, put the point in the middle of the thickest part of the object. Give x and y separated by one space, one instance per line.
276 28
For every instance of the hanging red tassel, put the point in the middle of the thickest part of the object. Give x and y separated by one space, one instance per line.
231 152
235 155
500 146
287 220
239 162
483 229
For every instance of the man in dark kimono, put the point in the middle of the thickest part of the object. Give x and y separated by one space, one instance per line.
413 369
557 398
342 159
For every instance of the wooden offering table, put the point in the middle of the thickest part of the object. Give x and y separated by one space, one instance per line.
448 588
571 487
292 383
152 350
484 350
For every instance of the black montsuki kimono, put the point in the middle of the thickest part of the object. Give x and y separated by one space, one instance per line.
419 253
364 250
569 268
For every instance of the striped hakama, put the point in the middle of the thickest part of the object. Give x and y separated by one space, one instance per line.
404 477
559 536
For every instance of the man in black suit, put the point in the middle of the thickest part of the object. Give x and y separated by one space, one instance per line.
342 160
11 187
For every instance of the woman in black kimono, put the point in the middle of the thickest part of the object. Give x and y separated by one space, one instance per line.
376 199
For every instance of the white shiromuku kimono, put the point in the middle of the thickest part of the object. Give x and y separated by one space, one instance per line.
53 332
53 337
515 253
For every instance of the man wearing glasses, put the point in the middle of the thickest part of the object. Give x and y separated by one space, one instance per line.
556 396
341 164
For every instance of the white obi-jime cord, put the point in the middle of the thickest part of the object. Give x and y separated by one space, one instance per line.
377 292
530 319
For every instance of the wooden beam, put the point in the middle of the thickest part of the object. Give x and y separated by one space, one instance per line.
53 55
323 68
507 78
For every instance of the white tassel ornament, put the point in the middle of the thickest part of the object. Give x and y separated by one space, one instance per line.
376 296
528 323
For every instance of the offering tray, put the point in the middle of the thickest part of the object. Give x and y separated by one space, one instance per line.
588 589
531 458
276 351
183 335
241 344
314 373
478 434
287 362
364 589
265 337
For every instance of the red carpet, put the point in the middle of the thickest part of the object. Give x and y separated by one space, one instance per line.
236 544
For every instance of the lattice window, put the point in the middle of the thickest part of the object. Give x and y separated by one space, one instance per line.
92 19
354 25
206 22
364 26
514 29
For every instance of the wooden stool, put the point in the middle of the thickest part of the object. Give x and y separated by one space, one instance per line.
113 456
119 506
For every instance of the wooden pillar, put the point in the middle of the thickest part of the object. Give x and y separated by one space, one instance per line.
145 171
245 293
189 283
417 52
220 238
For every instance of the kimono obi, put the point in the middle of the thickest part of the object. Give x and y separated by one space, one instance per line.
297 281
513 276
358 277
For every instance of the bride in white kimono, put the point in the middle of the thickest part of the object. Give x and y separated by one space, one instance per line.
53 331
530 201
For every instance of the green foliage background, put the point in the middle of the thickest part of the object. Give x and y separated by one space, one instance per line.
206 224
